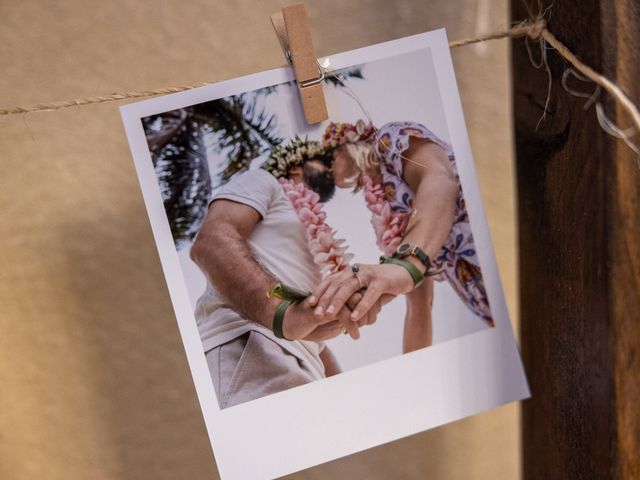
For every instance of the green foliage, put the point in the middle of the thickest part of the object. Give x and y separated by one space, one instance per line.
185 182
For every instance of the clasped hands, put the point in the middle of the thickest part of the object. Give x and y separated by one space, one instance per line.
345 301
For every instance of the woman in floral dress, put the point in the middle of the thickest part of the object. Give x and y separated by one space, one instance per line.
409 174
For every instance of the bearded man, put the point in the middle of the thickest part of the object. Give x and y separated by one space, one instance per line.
250 241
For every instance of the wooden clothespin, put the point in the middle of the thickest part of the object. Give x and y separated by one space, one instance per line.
292 28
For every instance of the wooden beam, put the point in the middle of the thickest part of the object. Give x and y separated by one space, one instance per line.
579 221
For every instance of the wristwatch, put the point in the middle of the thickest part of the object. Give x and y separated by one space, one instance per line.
407 249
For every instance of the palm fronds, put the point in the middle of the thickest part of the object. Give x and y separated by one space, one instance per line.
240 128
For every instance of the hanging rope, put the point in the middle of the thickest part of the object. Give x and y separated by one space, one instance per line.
536 30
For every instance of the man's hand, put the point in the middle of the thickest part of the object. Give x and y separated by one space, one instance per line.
301 324
371 316
333 328
381 282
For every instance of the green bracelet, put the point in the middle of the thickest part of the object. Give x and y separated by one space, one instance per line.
288 295
285 292
416 275
278 318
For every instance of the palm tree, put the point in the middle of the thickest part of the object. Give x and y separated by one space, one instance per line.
241 129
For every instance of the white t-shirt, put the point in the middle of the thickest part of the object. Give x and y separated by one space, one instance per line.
279 244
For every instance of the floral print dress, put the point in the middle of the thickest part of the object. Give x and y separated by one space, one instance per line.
458 257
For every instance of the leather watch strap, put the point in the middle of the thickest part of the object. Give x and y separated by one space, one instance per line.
414 271
423 257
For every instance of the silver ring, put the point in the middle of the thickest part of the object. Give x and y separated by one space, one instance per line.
360 285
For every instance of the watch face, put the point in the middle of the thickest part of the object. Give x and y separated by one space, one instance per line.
403 249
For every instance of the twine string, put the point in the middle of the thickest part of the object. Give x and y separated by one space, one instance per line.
614 90
534 30
605 122
52 106
591 97
531 29
543 63
615 131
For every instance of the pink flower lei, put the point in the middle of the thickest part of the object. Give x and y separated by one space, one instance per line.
328 252
388 225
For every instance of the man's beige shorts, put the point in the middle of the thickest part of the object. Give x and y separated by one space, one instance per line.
253 366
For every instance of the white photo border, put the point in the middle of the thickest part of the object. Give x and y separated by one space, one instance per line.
359 409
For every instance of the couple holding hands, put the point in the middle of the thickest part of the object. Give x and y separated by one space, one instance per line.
279 283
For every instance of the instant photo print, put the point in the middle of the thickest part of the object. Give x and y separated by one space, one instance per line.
334 284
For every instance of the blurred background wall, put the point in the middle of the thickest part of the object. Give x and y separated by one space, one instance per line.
93 378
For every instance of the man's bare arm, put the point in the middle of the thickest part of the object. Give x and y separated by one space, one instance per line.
222 252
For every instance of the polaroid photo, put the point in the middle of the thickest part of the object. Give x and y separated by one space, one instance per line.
335 284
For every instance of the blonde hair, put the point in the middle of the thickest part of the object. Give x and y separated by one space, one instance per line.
364 159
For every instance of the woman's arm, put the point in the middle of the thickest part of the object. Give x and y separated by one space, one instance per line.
430 175
418 327
222 253
428 172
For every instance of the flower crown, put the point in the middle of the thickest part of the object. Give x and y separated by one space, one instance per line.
285 157
337 134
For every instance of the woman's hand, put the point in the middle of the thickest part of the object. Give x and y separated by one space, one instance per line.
301 324
381 283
